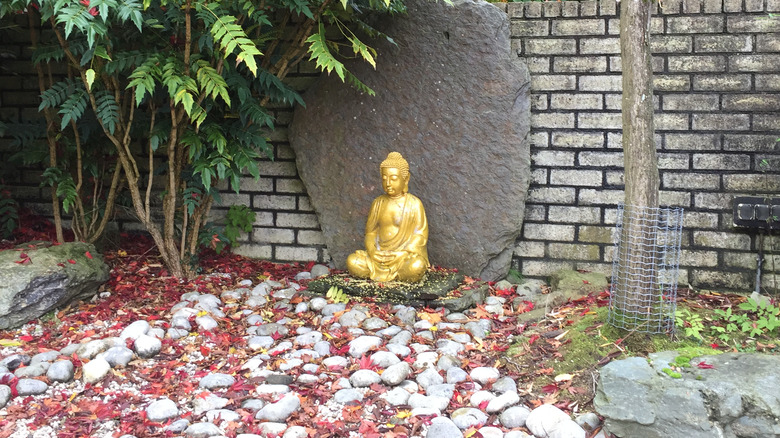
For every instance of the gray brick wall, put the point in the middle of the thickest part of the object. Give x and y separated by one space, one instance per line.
716 97
717 100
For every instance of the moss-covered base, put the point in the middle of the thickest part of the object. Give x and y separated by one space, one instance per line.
437 289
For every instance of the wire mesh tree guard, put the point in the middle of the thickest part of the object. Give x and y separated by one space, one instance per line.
643 293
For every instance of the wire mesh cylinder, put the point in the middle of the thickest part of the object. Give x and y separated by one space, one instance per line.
643 294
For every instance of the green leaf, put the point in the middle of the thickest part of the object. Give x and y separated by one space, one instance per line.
320 53
73 108
107 110
90 75
231 36
367 53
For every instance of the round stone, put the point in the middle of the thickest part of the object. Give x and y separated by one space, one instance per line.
396 396
94 370
61 371
545 418
216 380
219 415
397 373
161 410
514 416
384 359
30 387
5 395
281 410
465 418
484 375
364 378
205 323
135 330
33 370
363 344
456 375
202 430
429 377
347 395
147 346
442 427
502 402
46 356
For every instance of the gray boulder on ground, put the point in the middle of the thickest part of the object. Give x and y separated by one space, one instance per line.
454 101
737 397
47 280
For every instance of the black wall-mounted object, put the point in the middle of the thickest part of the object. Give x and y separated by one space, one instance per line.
757 212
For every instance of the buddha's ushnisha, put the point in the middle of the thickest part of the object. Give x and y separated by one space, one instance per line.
396 230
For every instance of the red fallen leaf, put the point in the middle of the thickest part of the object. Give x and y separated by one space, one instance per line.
533 339
276 335
586 281
26 338
23 256
204 350
714 345
366 363
705 366
71 261
89 256
549 389
61 265
483 404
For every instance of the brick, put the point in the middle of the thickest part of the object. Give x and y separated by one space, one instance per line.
751 102
732 5
273 235
754 5
525 249
538 102
671 83
600 83
600 120
691 102
577 101
572 251
580 64
533 10
752 183
588 8
670 7
599 197
253 250
596 234
697 63
551 195
698 258
552 120
538 64
252 184
295 254
614 179
613 26
552 158
693 181
577 139
751 24
673 198
550 232
695 25
576 215
721 122
754 63
551 46
599 46
528 28
515 10
726 82
768 43
749 143
713 201
277 168
284 152
767 163
296 220
697 219
551 9
576 177
539 176
581 27
263 219
671 121
691 6
773 5
614 102
232 198
724 43
744 260
672 161
285 185
671 44
304 204
274 202
721 162
539 139
713 6
607 8
535 212
720 280
536 268
698 142
553 82
720 239
600 159
310 237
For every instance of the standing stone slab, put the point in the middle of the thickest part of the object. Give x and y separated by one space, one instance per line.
453 100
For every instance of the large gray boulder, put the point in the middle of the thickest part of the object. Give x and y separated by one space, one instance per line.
737 397
454 101
51 277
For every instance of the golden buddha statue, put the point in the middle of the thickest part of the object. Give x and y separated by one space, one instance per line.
396 230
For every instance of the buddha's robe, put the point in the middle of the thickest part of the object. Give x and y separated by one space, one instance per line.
410 260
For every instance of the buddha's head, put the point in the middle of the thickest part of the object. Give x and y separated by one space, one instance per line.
395 174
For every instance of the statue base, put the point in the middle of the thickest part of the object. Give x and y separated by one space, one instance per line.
436 289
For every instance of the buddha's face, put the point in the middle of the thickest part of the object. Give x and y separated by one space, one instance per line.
393 182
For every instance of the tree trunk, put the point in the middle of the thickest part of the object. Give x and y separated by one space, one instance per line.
636 296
